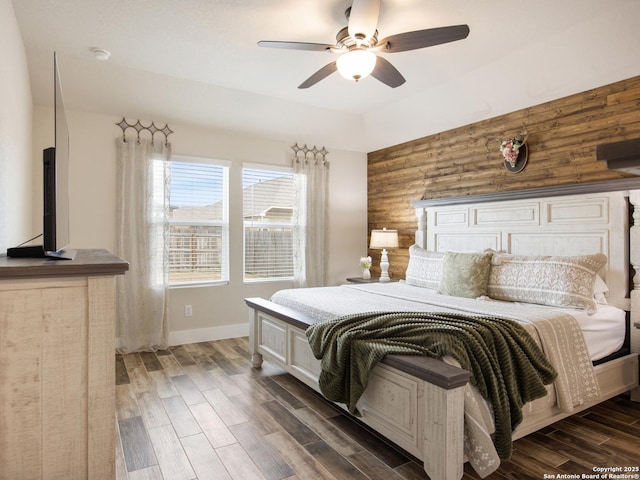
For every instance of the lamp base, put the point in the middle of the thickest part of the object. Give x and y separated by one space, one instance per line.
384 267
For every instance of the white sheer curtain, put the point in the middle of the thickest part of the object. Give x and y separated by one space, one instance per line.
311 179
143 173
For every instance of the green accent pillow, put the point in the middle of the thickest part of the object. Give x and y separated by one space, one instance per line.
465 274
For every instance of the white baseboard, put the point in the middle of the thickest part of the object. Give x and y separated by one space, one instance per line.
195 335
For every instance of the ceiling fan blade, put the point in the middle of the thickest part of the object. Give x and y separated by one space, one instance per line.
422 38
387 73
363 19
316 47
321 74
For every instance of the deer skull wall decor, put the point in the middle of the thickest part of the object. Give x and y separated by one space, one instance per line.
514 151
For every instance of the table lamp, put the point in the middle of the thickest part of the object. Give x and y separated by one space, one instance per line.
383 239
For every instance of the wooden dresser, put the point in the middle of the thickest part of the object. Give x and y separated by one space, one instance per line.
57 373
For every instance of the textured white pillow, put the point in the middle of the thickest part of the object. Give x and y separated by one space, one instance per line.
560 281
600 291
425 268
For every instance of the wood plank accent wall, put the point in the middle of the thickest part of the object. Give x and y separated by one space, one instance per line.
562 139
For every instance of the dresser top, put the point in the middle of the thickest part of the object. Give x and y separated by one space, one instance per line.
86 262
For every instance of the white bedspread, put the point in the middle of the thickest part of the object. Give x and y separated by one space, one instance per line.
557 329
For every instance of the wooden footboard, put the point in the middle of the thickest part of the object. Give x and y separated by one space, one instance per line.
416 402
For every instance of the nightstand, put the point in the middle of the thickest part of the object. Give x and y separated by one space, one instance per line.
367 280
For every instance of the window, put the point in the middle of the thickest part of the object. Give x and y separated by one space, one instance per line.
198 219
268 199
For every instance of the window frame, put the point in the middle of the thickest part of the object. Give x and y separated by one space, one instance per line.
291 224
224 223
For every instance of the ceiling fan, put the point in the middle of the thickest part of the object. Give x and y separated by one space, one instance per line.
357 45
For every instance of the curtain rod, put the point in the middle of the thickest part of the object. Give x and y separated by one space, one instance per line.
139 127
316 154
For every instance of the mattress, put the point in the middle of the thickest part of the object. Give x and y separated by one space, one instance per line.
604 330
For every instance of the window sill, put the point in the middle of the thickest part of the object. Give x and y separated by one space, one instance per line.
267 280
198 284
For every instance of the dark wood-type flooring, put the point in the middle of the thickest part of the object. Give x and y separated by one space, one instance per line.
200 411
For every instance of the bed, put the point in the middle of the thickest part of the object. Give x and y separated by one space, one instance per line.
427 406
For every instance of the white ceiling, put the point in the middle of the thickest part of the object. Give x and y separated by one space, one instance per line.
196 62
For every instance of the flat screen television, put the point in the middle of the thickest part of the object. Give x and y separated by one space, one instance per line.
55 162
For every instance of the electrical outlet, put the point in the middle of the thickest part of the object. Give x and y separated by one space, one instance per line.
188 310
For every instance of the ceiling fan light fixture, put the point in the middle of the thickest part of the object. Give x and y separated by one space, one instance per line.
358 43
356 64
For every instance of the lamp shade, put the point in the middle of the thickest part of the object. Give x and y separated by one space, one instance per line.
356 64
384 239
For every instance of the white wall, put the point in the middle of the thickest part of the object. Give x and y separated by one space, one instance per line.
218 311
16 109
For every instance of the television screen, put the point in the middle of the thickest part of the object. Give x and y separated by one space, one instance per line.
56 200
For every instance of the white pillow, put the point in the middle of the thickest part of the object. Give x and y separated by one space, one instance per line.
600 291
425 268
560 281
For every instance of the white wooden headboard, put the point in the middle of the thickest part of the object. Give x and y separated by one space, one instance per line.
601 217
565 225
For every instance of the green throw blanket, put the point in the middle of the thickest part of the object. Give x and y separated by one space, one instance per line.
506 365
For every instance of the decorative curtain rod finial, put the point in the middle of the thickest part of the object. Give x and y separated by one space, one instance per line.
319 155
139 127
